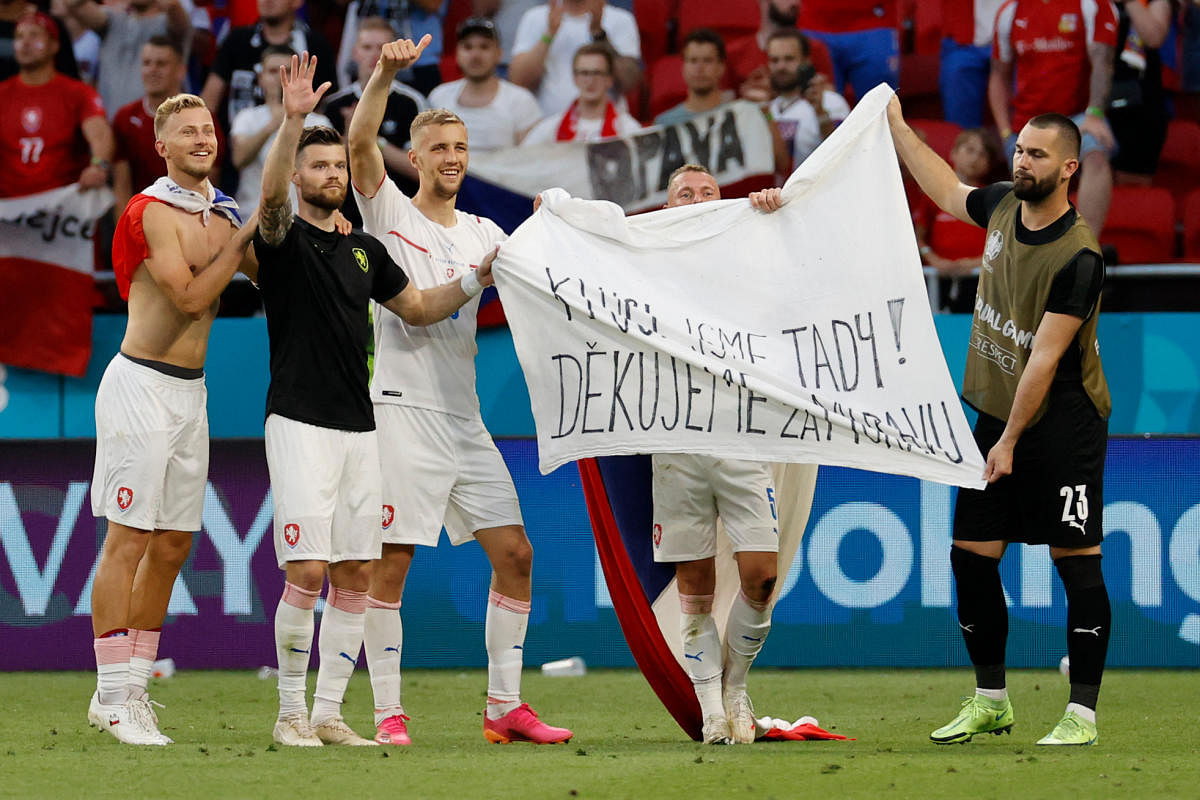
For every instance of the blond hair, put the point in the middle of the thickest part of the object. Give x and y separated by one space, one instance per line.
433 116
172 106
688 168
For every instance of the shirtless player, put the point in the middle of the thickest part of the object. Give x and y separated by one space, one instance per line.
177 246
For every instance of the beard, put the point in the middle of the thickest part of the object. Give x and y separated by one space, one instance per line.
782 84
1034 190
328 199
783 19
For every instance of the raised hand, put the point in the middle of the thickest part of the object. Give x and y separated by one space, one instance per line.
402 53
299 97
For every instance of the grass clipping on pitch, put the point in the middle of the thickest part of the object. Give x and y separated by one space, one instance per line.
625 745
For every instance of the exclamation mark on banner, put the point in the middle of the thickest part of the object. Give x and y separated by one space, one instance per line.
895 311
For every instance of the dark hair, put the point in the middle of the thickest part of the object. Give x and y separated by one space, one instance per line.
317 134
276 50
1067 129
595 49
705 36
795 35
158 40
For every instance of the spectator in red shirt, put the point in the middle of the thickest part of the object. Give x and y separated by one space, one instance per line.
1062 54
137 163
53 131
946 242
862 38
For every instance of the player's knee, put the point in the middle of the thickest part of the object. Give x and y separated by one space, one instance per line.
759 584
125 549
1079 572
170 552
308 575
519 557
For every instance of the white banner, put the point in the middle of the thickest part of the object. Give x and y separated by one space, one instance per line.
799 336
54 226
732 140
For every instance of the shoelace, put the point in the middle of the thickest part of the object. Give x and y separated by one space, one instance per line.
143 715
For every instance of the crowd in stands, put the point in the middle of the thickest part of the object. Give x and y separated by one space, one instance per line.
80 80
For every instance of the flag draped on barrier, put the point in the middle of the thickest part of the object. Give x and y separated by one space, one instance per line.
802 335
46 283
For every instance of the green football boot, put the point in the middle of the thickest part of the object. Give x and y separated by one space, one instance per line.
978 715
1072 729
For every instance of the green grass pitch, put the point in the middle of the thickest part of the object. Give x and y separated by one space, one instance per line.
625 745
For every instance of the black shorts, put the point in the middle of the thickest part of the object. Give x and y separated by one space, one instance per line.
1055 493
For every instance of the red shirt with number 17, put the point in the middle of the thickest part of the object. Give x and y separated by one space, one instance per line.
1047 42
41 138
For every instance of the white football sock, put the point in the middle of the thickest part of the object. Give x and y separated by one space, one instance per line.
383 639
992 694
112 668
141 661
293 643
1087 713
504 637
341 639
745 632
702 652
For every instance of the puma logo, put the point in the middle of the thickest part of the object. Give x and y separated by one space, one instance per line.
1074 523
967 628
1093 631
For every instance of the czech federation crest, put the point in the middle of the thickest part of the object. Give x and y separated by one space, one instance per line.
124 498
360 258
389 515
291 534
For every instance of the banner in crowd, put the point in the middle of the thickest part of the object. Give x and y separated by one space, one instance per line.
799 336
733 140
46 283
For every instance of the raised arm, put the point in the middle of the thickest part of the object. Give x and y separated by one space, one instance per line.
427 306
299 99
366 162
192 288
89 14
935 176
179 24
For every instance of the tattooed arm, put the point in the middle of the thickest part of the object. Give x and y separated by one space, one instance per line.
299 98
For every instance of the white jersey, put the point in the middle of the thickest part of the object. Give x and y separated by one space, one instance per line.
432 366
498 124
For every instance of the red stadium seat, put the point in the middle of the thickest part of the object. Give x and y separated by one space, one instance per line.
656 26
1141 225
1179 164
1191 227
730 18
919 85
667 88
939 134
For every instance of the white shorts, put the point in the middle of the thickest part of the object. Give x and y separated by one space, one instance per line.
325 484
440 469
690 491
151 448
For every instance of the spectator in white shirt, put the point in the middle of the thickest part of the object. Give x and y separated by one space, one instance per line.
548 37
592 115
805 109
497 113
